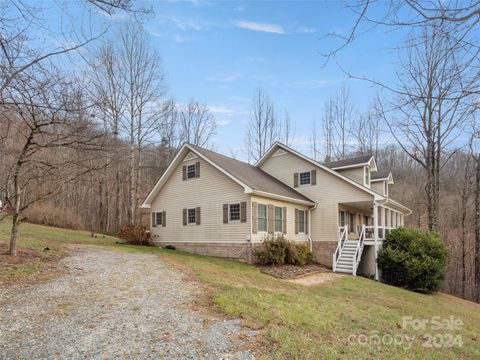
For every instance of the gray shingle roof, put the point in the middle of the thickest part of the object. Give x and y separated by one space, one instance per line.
348 162
250 175
379 175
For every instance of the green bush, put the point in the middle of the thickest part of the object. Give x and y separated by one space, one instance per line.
413 259
278 251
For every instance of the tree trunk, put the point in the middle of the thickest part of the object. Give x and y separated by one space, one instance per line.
131 215
477 230
14 234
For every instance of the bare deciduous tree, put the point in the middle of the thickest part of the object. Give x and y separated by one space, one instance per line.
432 102
264 128
197 125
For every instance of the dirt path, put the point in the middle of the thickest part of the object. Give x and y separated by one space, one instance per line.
113 305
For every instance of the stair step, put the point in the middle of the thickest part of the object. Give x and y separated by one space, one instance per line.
347 271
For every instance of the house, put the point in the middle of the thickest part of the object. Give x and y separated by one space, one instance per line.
209 203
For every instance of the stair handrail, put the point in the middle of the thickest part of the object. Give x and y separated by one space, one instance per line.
359 251
341 241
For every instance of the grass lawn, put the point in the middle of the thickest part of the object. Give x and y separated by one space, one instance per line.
328 321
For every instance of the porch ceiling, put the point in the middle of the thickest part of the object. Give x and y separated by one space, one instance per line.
365 206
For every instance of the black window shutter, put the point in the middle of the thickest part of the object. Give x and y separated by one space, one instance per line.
164 218
154 219
295 179
184 217
184 171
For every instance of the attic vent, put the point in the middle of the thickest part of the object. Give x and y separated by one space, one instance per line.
279 152
190 156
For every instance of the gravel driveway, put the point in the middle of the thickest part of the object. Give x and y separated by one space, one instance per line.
114 305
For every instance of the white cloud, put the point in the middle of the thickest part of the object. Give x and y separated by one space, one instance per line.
222 122
304 29
262 27
220 110
186 24
178 38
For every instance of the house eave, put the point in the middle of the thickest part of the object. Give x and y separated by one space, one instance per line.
280 197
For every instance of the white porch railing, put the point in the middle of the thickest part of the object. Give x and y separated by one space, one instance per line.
383 231
358 252
342 237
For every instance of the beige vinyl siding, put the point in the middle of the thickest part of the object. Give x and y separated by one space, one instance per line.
290 218
209 192
329 191
355 174
377 186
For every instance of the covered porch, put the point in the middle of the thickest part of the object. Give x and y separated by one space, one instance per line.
364 225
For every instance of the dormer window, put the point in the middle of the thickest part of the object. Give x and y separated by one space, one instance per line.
366 173
305 178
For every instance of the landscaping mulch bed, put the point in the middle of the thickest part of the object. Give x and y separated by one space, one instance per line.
293 271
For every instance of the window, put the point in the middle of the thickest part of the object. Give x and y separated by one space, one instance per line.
366 179
342 218
234 212
385 188
351 222
191 216
305 178
301 221
262 217
158 218
191 171
278 219
365 220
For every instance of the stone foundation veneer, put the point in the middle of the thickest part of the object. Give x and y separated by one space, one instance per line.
236 251
323 252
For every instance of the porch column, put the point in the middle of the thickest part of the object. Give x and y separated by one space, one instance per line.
383 223
402 219
375 235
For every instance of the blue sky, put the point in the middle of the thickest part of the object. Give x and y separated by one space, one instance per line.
220 52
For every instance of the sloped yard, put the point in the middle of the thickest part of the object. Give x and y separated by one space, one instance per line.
345 318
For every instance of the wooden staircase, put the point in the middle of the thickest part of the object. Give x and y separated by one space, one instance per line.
345 260
348 253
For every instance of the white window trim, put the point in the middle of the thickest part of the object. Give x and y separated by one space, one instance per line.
156 218
230 221
194 171
385 188
366 170
304 213
309 178
266 218
188 217
340 217
275 220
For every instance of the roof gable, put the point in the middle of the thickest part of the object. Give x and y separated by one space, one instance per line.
341 177
252 179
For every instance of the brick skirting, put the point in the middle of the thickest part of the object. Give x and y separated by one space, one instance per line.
323 252
240 252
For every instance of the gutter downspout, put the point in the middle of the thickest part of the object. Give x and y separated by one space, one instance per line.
310 227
